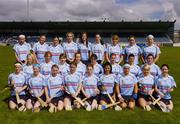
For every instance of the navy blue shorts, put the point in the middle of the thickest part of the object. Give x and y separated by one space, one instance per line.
166 101
13 98
90 100
66 95
146 97
105 98
55 100
34 99
128 98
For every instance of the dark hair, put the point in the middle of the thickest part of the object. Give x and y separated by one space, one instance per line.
70 33
73 63
150 55
131 36
55 66
107 64
131 55
48 53
42 35
164 65
102 43
93 56
62 55
81 41
55 37
112 54
90 65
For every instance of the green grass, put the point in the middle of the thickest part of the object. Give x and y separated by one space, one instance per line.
169 55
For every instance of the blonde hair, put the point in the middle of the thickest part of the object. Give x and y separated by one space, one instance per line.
33 58
146 66
70 33
115 37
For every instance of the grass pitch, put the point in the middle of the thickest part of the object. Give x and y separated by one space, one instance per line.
169 55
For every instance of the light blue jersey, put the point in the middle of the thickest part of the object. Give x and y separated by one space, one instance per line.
116 69
72 82
146 83
135 69
108 81
19 80
153 49
70 49
98 69
36 84
117 50
40 50
99 50
126 83
28 70
135 50
84 50
81 68
54 84
56 51
64 68
22 50
164 84
90 84
46 68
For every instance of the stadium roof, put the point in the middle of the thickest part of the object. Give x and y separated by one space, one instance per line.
122 25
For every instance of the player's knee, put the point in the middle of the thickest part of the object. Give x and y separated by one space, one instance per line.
102 102
60 106
123 105
142 102
131 106
66 101
12 105
78 106
37 105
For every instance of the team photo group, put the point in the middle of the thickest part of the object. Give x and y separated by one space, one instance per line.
92 76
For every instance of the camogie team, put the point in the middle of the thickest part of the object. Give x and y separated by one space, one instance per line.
88 75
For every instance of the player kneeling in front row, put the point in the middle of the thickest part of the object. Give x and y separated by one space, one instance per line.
127 88
54 90
73 86
36 85
17 83
89 88
106 86
164 85
146 83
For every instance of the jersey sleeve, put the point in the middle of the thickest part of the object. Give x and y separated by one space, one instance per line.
26 79
9 79
118 77
34 47
15 47
76 46
124 51
89 46
29 46
158 51
135 80
158 71
140 51
173 83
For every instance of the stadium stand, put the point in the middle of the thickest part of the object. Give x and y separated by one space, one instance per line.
162 30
